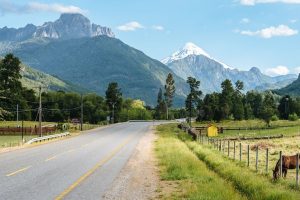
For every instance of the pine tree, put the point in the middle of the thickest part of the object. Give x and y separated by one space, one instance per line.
226 99
114 101
169 92
238 106
194 96
160 105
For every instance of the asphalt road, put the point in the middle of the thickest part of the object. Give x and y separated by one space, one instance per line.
81 167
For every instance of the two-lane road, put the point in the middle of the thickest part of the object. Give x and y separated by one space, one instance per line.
81 167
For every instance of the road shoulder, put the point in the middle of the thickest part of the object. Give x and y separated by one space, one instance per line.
139 178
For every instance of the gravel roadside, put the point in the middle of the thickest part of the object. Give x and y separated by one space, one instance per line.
139 178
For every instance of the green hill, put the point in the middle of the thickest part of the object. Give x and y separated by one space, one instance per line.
32 78
292 89
94 62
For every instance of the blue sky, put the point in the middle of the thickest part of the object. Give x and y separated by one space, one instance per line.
240 33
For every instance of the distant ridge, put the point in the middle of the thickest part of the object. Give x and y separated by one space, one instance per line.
66 27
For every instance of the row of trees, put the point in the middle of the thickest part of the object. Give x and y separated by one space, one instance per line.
233 103
62 106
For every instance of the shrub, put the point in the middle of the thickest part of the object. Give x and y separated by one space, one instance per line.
293 117
274 118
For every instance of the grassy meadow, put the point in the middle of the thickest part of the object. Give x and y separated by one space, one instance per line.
280 127
188 177
246 182
16 140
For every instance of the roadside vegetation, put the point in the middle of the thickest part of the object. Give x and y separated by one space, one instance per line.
180 168
248 183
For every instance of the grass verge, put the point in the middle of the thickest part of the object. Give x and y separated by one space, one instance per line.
194 180
252 185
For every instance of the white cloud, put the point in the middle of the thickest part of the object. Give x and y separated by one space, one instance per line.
281 30
59 8
130 26
245 21
10 7
276 71
254 2
158 27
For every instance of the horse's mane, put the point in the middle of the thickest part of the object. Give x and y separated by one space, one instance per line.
277 167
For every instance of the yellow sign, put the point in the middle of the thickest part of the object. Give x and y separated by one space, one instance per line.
212 131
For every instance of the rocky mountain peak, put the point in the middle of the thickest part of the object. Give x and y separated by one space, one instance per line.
69 25
255 70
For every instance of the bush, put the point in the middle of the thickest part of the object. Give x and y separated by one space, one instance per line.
274 118
293 117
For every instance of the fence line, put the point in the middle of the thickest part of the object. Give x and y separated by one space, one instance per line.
221 145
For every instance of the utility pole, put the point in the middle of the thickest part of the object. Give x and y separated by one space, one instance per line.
81 118
17 115
40 112
113 111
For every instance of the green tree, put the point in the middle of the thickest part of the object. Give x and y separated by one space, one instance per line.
114 101
238 106
268 108
226 99
160 107
255 99
169 92
287 106
10 83
193 97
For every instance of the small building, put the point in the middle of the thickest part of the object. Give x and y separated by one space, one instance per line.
212 131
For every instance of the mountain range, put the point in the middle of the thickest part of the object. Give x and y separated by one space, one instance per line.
94 61
292 89
73 53
66 27
193 61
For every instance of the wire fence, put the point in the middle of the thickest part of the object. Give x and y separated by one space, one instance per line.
261 160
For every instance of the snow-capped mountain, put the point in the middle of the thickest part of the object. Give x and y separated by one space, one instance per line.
66 27
188 50
193 61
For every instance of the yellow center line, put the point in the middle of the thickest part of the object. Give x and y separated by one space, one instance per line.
18 171
91 171
51 158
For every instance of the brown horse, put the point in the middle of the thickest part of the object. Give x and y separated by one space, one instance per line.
288 162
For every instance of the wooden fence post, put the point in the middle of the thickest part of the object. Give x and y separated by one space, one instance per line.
248 155
224 146
256 159
228 147
297 170
233 150
240 152
267 160
280 157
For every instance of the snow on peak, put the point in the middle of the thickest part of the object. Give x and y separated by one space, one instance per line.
192 49
188 50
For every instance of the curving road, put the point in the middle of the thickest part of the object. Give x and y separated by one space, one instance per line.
81 167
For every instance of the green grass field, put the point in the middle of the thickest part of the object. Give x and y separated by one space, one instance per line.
26 123
249 183
280 127
16 140
190 176
11 141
